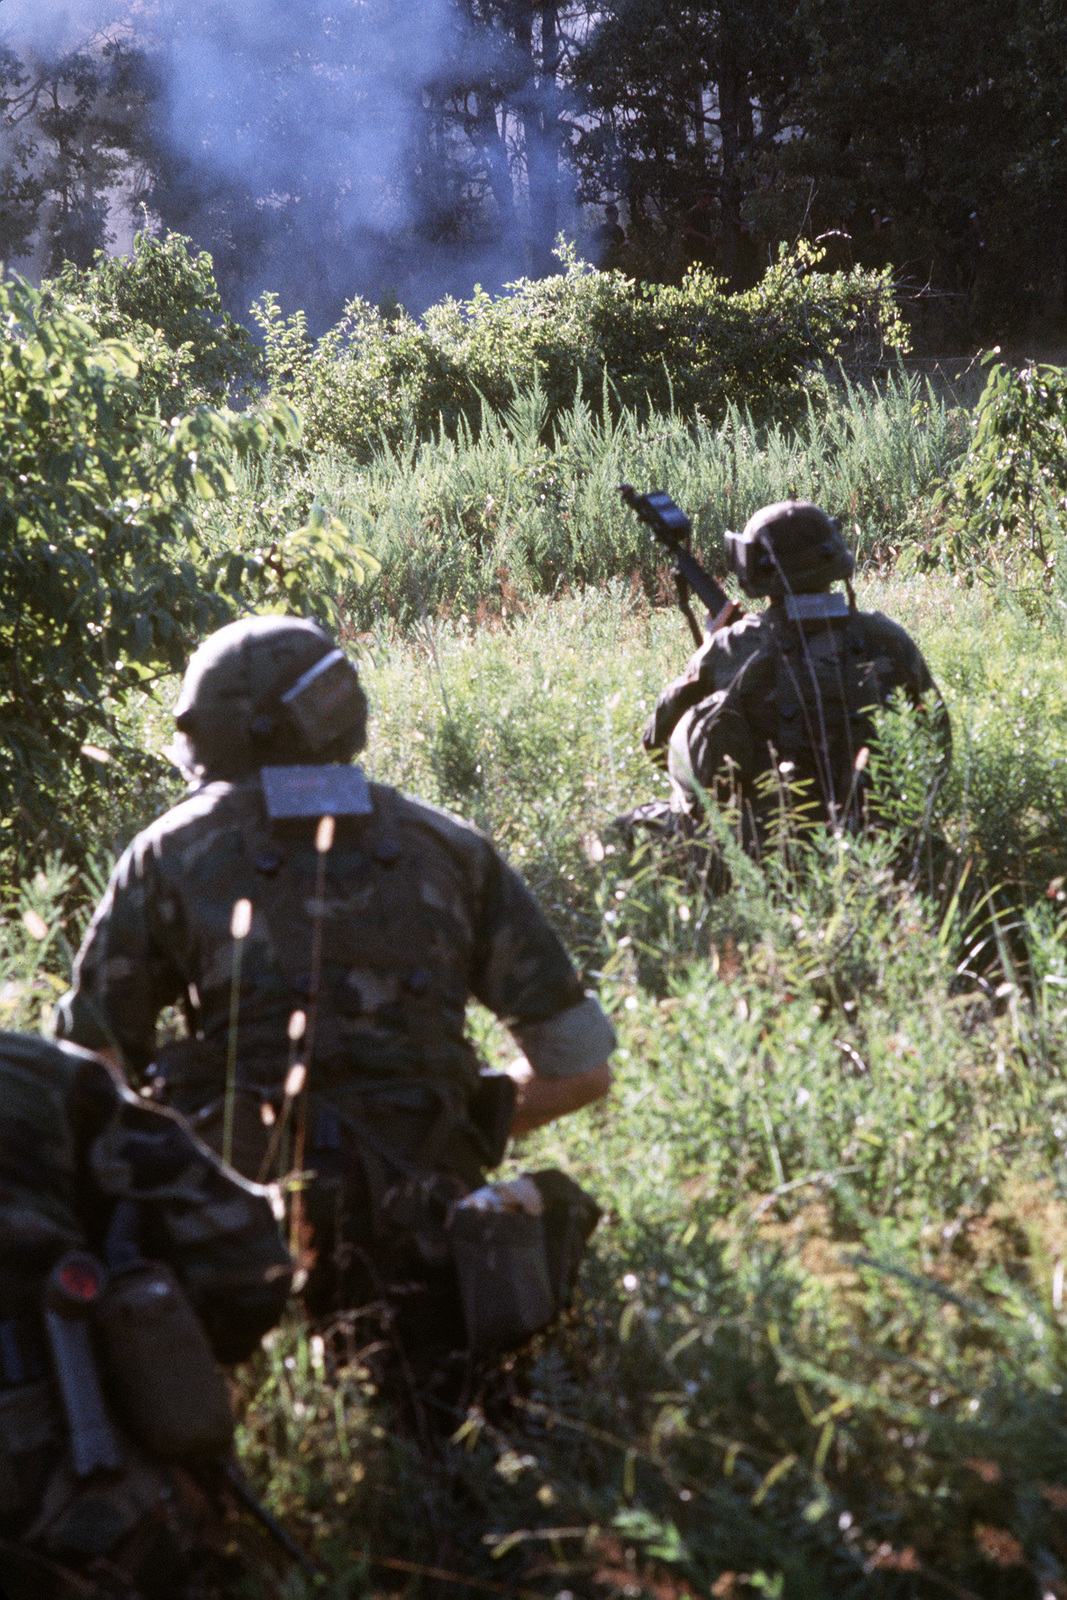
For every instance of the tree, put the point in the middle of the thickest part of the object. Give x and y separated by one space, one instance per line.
359 148
73 123
366 148
315 151
928 136
22 187
682 97
936 136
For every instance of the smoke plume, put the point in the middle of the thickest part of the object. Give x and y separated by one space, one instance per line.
316 147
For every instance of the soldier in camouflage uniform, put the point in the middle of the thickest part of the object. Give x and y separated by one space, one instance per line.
363 947
123 1241
784 699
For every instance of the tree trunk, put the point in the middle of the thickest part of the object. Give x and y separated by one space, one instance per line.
540 128
484 131
736 133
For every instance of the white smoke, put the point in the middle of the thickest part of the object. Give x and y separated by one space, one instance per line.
315 109
52 28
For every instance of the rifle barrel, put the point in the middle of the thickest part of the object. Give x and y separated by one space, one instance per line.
671 527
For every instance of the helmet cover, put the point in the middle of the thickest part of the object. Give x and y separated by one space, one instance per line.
791 547
267 691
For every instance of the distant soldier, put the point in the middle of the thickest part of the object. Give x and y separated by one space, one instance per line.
608 239
785 699
324 968
700 233
130 1260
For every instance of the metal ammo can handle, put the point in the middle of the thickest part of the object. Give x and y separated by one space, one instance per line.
72 1290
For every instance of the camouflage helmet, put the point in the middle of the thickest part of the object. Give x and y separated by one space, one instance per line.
791 547
267 691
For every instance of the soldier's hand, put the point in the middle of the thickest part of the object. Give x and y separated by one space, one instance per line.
655 745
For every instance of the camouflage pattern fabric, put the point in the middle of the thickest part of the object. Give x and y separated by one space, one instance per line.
74 1143
377 944
151 1533
768 689
74 1140
381 942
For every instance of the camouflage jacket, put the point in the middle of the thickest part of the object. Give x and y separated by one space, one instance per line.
380 943
767 688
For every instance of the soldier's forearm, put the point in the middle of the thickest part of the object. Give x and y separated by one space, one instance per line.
542 1100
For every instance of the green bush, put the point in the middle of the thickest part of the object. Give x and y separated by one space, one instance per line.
1015 471
656 348
106 581
164 300
1003 514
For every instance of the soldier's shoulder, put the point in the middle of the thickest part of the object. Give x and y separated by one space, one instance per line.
749 638
750 634
419 816
883 632
751 626
210 806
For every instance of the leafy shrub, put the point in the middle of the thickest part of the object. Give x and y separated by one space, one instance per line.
656 347
1017 463
1003 513
106 582
165 302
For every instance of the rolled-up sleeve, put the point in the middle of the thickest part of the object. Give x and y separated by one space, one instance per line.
524 974
571 1042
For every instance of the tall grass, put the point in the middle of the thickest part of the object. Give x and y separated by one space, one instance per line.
461 524
819 1349
820 1346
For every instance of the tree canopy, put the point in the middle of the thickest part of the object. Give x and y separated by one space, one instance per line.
360 148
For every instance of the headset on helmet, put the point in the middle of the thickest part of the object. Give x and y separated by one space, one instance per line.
268 691
791 547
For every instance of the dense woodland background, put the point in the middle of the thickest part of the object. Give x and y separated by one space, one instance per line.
327 150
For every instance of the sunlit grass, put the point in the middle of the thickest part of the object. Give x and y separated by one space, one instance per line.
820 1345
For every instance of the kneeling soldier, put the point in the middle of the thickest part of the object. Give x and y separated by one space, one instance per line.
790 693
324 936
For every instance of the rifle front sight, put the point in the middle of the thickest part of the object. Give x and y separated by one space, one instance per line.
658 512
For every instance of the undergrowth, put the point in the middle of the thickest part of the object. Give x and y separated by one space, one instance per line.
467 525
819 1344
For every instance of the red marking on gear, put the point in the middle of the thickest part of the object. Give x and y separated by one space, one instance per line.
80 1280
